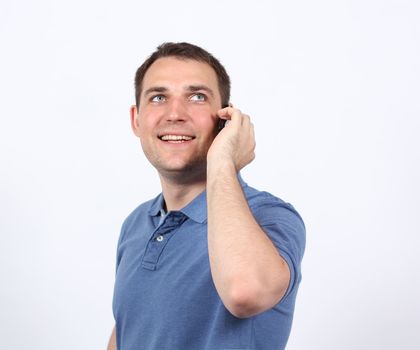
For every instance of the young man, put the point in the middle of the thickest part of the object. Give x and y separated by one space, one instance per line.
210 263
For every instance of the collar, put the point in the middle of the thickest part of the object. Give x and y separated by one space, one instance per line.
196 210
156 205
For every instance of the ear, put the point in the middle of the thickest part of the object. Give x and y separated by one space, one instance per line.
134 116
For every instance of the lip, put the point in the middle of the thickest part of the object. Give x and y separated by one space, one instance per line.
172 137
177 143
174 142
172 133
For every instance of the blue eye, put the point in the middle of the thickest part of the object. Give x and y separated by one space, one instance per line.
158 98
198 97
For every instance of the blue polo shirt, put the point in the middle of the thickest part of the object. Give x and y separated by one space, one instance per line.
164 296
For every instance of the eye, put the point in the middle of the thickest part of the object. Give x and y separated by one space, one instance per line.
198 97
158 98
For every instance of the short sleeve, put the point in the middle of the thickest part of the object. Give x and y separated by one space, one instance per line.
286 229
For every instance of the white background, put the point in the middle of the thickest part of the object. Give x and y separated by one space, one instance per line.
333 89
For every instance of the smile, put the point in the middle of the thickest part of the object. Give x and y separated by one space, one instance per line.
176 138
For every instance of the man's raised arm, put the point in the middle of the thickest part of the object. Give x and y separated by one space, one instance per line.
248 272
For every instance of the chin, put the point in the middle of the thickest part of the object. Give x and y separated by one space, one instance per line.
185 172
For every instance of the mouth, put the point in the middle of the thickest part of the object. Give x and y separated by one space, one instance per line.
176 138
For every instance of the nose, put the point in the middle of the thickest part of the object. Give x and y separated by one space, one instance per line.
177 111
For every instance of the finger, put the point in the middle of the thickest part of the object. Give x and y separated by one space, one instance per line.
252 133
237 117
252 156
227 112
246 120
252 129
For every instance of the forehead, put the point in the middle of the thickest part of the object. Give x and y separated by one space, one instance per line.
172 70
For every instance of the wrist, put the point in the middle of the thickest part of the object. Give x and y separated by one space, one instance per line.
220 168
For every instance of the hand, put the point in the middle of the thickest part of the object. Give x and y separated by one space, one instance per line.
235 143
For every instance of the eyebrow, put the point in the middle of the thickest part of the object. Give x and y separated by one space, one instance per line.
155 89
195 88
189 88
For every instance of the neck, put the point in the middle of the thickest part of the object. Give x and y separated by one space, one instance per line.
177 195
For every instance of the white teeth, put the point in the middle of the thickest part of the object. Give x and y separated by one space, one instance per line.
175 138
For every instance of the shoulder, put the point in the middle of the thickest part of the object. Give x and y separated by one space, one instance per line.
139 213
279 219
268 208
283 225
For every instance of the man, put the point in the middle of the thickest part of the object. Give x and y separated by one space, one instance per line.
210 263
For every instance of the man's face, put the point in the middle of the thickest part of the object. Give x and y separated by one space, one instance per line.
176 120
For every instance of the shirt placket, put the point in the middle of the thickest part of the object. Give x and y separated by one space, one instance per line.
160 239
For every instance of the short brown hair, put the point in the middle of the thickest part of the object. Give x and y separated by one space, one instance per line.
185 51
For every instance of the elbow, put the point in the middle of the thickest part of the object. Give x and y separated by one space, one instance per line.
246 299
241 303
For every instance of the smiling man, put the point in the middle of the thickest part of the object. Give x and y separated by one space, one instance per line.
210 263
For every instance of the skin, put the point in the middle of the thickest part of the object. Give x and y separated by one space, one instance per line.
181 97
112 343
249 274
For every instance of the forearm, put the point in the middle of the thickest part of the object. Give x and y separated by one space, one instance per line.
112 343
249 274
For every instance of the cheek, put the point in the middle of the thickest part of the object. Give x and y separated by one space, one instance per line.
145 134
145 126
205 121
210 132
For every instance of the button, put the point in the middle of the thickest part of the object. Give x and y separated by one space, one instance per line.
159 238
